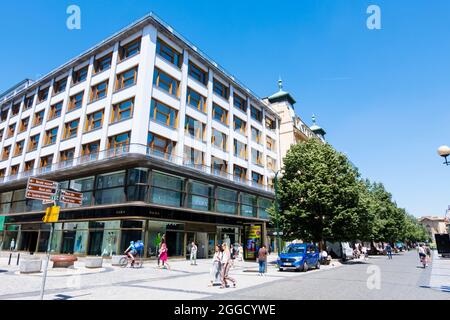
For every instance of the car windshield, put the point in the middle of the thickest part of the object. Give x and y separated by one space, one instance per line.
294 250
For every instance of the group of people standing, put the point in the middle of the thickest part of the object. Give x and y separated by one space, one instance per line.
222 262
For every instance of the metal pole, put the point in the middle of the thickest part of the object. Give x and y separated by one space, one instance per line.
277 211
44 278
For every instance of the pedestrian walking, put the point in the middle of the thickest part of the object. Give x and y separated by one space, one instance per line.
428 253
163 254
225 267
241 252
194 249
262 260
389 251
233 254
215 271
422 255
364 252
12 245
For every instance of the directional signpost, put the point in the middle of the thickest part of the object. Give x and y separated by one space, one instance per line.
50 193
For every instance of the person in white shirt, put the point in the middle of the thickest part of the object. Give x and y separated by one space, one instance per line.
226 265
193 254
215 271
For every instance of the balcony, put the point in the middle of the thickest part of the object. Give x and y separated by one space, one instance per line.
128 151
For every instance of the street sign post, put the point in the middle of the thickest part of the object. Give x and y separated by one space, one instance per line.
39 189
71 197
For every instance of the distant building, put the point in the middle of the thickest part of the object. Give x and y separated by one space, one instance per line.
434 225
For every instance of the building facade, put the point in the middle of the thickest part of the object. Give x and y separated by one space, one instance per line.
434 225
158 138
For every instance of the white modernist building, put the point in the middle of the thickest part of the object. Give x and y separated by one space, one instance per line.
157 136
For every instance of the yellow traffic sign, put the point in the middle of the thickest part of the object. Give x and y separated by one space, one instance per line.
52 214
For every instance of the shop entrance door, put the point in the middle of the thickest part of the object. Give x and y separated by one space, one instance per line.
95 243
202 245
29 240
68 242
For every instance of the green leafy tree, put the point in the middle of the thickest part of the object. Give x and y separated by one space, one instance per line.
318 194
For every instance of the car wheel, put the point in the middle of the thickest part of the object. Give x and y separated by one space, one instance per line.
280 269
318 264
305 267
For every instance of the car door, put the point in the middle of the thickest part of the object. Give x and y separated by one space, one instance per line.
308 256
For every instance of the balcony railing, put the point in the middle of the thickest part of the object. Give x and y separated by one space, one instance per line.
123 151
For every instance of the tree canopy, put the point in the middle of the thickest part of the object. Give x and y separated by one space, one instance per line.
322 197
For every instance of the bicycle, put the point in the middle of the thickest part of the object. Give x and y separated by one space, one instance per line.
125 261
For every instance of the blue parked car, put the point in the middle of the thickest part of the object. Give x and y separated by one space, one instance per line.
299 256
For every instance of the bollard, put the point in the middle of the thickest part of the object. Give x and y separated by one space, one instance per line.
10 256
18 258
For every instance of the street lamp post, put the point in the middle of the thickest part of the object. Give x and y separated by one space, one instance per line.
277 211
444 152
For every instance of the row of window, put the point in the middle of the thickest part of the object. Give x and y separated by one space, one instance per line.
141 184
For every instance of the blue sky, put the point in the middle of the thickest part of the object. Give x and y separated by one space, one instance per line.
382 95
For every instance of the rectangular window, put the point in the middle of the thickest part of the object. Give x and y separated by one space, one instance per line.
4 115
257 178
55 111
15 109
219 167
220 89
249 205
18 150
256 135
94 120
130 49
196 100
220 114
91 148
164 114
99 91
263 206
46 161
14 170
103 63
271 163
119 141
240 125
2 173
110 188
270 144
168 53
240 173
28 102
75 101
59 86
240 103
219 140
71 129
226 200
193 157
256 114
240 149
43 95
195 128
200 196
197 73
167 190
67 155
80 75
50 136
6 152
38 118
270 124
24 124
1 134
122 111
165 82
257 157
29 165
33 144
160 146
126 79
11 130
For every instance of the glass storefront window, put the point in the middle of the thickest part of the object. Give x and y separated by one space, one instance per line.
6 197
137 184
56 238
109 196
226 201
111 180
248 205
167 190
200 196
263 206
84 185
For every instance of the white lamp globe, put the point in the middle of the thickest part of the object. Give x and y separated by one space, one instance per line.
444 151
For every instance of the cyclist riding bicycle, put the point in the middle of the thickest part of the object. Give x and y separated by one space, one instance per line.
131 252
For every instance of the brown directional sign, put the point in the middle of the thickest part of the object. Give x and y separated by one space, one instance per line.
71 197
40 189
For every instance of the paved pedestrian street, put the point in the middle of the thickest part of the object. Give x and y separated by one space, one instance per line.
400 278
